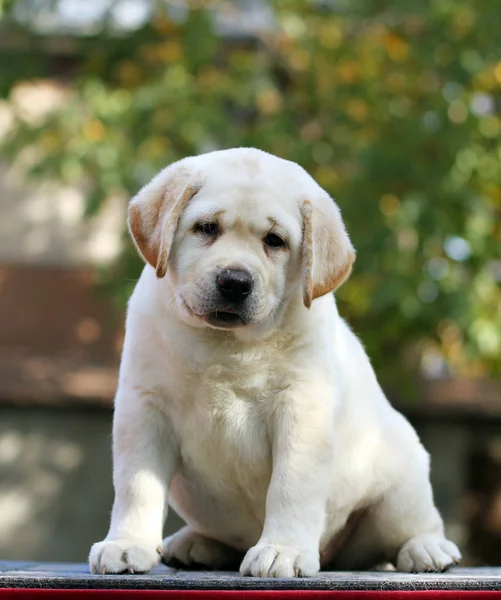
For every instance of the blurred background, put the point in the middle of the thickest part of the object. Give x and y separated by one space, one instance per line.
394 106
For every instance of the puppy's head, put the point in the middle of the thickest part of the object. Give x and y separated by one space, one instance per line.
239 234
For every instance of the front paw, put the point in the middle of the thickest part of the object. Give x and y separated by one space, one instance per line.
123 556
274 560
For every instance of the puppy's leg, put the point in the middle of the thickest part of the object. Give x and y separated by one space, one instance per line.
144 460
189 549
302 450
403 527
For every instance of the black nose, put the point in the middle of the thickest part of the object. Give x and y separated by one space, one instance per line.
234 284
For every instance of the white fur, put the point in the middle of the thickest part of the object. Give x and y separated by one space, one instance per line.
264 438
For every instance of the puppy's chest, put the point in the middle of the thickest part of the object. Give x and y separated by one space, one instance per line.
224 416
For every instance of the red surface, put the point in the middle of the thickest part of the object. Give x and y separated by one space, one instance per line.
28 594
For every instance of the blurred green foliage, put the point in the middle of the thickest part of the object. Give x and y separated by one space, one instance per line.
394 107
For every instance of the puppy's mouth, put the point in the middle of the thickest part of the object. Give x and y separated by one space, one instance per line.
224 318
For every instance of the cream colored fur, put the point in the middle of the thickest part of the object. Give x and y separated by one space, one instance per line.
272 440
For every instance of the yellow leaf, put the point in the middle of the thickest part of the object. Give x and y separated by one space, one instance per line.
357 109
299 60
331 35
497 72
396 47
164 25
94 130
269 101
50 141
347 71
389 204
170 51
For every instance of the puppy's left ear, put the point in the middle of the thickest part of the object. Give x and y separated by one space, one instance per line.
155 211
327 252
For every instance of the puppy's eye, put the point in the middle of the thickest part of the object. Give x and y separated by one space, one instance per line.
209 229
274 241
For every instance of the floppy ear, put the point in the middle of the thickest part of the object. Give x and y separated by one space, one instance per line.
155 211
327 253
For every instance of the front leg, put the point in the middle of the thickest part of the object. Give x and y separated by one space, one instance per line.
144 458
302 449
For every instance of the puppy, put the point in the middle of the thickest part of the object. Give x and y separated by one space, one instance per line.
244 400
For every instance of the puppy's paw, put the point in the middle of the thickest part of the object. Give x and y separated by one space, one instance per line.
273 560
186 548
427 552
123 556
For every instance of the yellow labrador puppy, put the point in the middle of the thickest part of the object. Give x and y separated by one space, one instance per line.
244 400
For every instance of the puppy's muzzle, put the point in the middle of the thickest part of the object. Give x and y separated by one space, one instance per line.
228 299
234 285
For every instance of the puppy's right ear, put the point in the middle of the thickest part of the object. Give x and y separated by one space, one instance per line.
155 211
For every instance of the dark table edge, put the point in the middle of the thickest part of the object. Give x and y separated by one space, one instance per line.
122 583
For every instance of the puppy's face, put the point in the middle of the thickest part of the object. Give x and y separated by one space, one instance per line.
239 233
236 256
